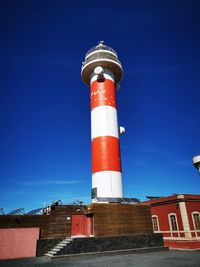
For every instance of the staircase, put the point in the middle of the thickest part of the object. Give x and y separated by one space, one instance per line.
54 251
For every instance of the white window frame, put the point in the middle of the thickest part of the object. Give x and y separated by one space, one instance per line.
195 212
170 223
155 216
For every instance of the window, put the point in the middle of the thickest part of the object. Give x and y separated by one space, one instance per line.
155 223
173 222
94 192
196 220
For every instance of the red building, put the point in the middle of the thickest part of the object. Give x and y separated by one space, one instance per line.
177 217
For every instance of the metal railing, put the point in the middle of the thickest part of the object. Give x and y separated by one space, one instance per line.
100 47
103 56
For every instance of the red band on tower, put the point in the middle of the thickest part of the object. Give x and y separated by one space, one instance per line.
106 154
102 93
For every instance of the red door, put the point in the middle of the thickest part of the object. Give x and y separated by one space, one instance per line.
81 225
77 225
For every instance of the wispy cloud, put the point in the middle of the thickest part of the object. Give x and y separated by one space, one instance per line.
30 193
50 182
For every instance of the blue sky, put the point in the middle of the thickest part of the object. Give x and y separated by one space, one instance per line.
45 109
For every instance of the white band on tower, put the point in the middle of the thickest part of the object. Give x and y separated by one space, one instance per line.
104 122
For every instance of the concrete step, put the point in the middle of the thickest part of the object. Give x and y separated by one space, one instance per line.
53 252
49 255
55 249
64 243
60 246
68 240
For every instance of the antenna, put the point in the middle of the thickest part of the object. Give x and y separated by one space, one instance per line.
196 162
101 42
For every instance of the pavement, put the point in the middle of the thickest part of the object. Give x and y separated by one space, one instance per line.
171 258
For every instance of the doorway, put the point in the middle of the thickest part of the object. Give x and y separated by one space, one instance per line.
81 225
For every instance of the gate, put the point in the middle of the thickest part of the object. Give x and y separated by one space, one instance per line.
81 225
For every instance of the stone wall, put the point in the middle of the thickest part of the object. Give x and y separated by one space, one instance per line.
109 243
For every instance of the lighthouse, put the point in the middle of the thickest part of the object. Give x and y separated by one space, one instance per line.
102 72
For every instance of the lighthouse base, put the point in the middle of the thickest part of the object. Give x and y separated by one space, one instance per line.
99 227
96 227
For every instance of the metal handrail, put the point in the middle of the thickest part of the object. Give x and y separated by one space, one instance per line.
101 56
100 47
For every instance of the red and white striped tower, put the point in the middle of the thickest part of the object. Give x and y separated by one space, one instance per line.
103 71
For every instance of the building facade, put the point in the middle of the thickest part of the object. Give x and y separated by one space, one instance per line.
96 227
177 217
